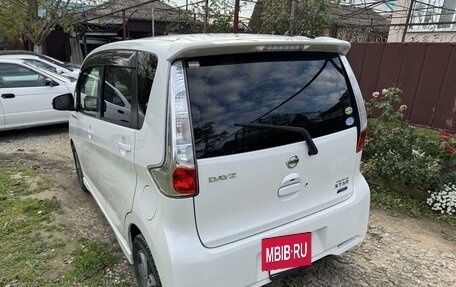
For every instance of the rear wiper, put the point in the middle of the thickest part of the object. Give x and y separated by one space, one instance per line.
302 131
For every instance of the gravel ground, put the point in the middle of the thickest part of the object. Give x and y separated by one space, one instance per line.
52 141
398 250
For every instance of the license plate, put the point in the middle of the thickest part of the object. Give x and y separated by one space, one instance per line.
286 252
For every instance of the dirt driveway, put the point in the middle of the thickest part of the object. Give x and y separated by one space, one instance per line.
398 250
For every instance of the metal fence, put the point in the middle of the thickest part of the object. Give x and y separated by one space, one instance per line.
425 72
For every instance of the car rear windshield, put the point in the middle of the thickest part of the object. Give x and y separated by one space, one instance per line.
229 92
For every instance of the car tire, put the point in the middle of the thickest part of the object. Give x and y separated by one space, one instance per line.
145 270
79 173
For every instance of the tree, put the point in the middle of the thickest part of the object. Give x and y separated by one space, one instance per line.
36 19
273 16
220 17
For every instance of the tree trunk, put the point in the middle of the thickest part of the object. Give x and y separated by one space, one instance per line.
38 48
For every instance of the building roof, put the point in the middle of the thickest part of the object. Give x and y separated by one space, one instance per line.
133 11
347 15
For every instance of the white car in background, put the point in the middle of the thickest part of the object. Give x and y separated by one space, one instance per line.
26 94
43 62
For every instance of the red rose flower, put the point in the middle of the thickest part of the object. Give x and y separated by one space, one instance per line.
449 150
445 137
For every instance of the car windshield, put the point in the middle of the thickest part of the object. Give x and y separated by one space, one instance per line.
41 64
56 62
304 90
52 74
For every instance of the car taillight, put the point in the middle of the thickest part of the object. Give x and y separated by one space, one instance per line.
184 174
184 180
359 103
177 177
361 140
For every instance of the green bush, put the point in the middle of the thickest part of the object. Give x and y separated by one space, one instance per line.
396 153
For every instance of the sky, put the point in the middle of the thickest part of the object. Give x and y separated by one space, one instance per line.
246 6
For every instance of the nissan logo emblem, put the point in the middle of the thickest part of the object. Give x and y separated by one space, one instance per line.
292 161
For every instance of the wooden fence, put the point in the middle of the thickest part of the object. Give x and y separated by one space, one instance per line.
425 72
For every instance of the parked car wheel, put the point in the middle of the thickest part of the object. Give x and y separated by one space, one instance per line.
145 270
79 173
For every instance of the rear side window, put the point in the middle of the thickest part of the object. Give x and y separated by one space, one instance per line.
118 89
307 90
147 66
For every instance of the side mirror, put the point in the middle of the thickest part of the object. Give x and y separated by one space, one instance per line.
63 103
90 103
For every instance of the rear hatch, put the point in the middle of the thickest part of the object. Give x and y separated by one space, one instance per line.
254 174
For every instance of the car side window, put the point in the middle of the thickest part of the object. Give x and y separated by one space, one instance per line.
126 79
117 94
88 90
147 66
16 76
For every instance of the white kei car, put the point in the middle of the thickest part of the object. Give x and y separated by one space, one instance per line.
222 160
43 62
26 94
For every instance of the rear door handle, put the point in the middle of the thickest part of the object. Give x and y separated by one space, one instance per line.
8 96
287 190
291 184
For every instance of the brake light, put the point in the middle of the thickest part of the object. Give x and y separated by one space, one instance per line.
184 180
177 177
184 174
361 140
286 47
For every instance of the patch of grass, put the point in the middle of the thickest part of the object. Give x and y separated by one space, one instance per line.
449 237
43 184
9 185
24 251
33 244
25 170
405 204
22 180
91 260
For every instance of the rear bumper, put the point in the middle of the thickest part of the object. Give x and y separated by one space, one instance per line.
183 261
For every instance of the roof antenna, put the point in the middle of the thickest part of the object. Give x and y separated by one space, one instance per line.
289 32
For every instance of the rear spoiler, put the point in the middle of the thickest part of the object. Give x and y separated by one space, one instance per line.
207 48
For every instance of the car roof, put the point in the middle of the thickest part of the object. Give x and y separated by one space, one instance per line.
13 61
180 46
36 69
16 52
31 55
